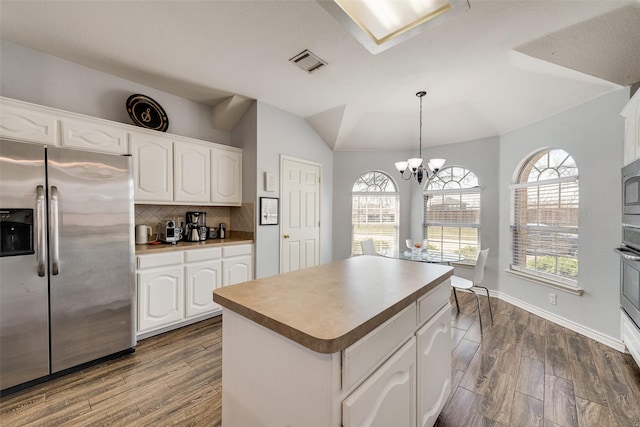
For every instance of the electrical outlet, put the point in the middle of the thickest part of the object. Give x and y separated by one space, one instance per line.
552 299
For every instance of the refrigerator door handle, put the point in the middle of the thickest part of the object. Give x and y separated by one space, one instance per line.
55 231
41 223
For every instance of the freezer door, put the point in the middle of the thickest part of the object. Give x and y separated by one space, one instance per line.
24 315
91 256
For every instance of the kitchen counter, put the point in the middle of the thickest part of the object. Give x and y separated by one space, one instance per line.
329 307
361 341
182 245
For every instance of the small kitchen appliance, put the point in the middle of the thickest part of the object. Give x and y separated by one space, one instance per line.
142 234
168 232
196 224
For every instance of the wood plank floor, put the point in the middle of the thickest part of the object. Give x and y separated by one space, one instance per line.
524 371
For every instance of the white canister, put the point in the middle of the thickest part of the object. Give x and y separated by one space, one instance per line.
142 234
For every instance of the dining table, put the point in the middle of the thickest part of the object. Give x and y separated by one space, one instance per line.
436 257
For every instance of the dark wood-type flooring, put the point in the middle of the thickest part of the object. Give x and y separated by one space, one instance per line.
524 371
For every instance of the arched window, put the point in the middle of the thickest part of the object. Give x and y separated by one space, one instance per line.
375 213
544 217
452 213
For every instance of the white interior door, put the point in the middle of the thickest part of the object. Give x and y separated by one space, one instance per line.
300 214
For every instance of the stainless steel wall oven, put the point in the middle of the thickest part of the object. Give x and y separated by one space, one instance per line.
630 249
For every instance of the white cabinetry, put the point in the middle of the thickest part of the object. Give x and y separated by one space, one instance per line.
153 168
386 398
203 275
631 113
176 288
630 336
93 135
226 176
237 264
192 173
27 122
160 290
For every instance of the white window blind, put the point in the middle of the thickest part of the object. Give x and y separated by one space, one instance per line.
544 225
452 221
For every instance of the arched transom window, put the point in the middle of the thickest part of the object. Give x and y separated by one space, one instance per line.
375 212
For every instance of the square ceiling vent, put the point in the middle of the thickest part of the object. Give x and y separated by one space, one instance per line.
308 61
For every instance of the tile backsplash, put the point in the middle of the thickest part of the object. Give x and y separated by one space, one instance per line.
237 218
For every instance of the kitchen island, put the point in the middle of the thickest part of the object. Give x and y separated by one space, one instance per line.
361 341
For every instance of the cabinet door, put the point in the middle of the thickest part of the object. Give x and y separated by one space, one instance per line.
434 366
226 177
388 397
94 136
236 270
160 297
25 123
152 168
192 168
202 280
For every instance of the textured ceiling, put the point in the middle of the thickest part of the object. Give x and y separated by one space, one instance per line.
499 66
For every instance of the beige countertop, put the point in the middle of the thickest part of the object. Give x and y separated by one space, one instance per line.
182 245
329 307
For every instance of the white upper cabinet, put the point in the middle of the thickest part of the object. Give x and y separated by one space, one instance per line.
27 122
226 176
93 135
153 168
191 173
631 113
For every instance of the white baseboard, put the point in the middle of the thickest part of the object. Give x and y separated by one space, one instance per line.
607 340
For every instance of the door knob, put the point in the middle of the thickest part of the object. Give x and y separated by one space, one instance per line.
286 236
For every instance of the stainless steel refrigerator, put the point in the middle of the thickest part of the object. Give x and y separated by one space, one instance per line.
66 260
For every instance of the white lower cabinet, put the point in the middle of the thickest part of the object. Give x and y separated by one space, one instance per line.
237 264
434 358
387 398
160 296
176 288
203 274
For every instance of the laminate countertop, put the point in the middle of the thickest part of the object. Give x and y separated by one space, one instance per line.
183 245
331 306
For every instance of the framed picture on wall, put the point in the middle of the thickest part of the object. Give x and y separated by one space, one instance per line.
268 211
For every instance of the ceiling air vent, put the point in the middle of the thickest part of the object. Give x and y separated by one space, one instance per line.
308 61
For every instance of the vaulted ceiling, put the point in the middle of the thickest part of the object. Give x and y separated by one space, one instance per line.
496 67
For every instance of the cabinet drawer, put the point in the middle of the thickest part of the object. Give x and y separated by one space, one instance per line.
236 250
361 358
196 255
433 301
159 260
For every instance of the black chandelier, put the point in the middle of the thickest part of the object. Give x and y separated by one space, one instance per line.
414 166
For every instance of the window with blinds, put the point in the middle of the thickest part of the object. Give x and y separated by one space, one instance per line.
452 213
375 213
544 218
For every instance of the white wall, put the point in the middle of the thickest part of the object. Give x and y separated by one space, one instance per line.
280 133
593 134
43 79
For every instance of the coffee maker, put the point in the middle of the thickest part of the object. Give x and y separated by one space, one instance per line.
196 226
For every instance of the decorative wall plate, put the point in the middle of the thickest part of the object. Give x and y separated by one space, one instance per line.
147 113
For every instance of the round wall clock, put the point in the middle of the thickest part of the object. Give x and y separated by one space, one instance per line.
147 113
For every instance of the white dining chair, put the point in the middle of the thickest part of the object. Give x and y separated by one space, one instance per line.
368 248
469 285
